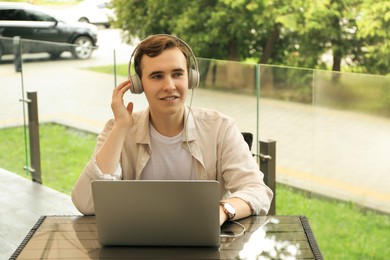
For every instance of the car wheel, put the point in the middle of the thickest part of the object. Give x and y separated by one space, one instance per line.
83 47
55 55
84 20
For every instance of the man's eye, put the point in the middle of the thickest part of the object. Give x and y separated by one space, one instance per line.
178 74
156 76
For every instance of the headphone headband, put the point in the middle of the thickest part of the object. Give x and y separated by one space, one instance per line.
193 74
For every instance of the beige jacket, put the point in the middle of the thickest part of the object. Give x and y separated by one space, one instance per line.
216 145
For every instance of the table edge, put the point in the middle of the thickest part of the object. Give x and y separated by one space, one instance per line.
20 248
311 238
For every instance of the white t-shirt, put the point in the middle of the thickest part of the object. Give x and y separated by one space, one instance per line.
169 160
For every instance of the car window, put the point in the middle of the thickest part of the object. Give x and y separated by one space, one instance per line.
13 15
33 15
25 15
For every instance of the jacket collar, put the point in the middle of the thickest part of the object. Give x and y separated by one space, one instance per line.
142 132
189 131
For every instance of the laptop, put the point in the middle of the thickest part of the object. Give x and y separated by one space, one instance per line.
157 213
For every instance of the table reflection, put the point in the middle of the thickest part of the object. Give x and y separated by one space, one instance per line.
260 242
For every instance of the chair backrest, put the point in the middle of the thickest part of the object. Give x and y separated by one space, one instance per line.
248 137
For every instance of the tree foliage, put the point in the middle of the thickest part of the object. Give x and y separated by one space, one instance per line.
282 32
374 30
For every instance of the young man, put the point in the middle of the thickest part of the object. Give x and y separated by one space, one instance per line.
170 140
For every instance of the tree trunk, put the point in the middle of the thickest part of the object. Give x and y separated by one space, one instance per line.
233 52
336 41
271 41
337 56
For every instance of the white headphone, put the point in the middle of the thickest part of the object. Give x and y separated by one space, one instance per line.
193 73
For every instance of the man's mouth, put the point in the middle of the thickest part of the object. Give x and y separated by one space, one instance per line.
169 98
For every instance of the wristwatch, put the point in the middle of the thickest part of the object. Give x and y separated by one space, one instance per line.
228 209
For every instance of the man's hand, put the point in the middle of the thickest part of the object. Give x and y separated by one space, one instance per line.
123 115
108 156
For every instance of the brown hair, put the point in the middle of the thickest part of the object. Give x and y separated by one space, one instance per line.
154 45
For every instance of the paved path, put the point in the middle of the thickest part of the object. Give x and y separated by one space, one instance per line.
339 154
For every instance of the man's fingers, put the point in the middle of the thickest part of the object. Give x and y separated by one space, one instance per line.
123 87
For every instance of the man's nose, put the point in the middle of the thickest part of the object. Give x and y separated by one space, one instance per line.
169 84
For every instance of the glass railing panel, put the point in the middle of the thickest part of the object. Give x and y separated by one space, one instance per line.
230 88
285 115
10 81
351 137
12 140
72 96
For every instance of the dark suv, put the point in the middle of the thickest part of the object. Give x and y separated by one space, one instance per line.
42 32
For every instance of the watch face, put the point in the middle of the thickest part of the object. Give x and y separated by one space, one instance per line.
230 208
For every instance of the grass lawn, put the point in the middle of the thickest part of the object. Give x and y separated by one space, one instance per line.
342 230
64 152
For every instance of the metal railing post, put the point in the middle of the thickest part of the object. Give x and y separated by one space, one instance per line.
33 126
268 167
17 53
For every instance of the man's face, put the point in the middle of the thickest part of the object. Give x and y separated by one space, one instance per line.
165 81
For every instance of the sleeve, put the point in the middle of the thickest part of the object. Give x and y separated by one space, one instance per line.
82 192
242 176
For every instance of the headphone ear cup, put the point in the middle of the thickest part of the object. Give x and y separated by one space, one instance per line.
136 85
193 79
